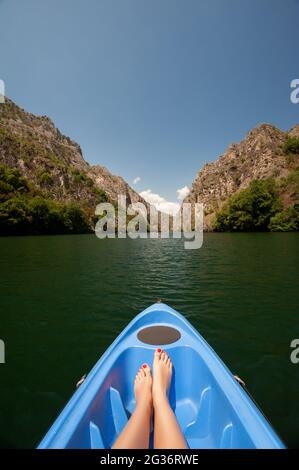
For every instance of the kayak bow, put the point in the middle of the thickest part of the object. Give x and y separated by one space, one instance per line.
213 410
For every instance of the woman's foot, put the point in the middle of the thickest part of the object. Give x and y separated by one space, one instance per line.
143 388
162 376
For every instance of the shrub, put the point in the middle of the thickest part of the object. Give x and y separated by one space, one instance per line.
78 178
82 178
101 196
286 221
11 180
46 178
291 145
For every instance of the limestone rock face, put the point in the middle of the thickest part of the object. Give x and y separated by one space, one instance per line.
260 155
294 131
53 162
114 185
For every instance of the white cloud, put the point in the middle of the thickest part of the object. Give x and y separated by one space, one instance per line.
136 180
182 193
160 202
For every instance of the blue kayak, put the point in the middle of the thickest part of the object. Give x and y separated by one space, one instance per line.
212 408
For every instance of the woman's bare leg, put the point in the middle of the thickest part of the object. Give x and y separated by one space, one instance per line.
136 433
167 432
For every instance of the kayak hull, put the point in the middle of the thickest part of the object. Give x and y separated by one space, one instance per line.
213 410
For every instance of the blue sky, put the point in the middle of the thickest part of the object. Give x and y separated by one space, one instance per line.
152 88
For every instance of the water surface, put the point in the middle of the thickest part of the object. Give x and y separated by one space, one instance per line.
63 300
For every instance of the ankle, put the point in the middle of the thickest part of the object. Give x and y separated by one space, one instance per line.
145 406
160 399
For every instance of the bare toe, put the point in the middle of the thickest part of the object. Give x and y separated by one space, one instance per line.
158 354
161 376
146 370
143 386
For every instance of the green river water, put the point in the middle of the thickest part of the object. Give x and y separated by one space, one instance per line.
63 300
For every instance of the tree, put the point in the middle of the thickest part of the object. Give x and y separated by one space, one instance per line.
250 209
75 220
14 216
286 221
46 216
27 210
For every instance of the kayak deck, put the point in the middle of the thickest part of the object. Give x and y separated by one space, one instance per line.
211 407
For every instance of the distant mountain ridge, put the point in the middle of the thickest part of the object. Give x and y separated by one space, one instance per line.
260 155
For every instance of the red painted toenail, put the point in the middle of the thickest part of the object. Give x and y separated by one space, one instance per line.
159 350
144 366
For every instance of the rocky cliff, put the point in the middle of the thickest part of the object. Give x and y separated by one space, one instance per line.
53 163
260 155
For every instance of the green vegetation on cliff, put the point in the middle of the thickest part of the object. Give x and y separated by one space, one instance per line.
259 208
291 145
46 186
25 210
